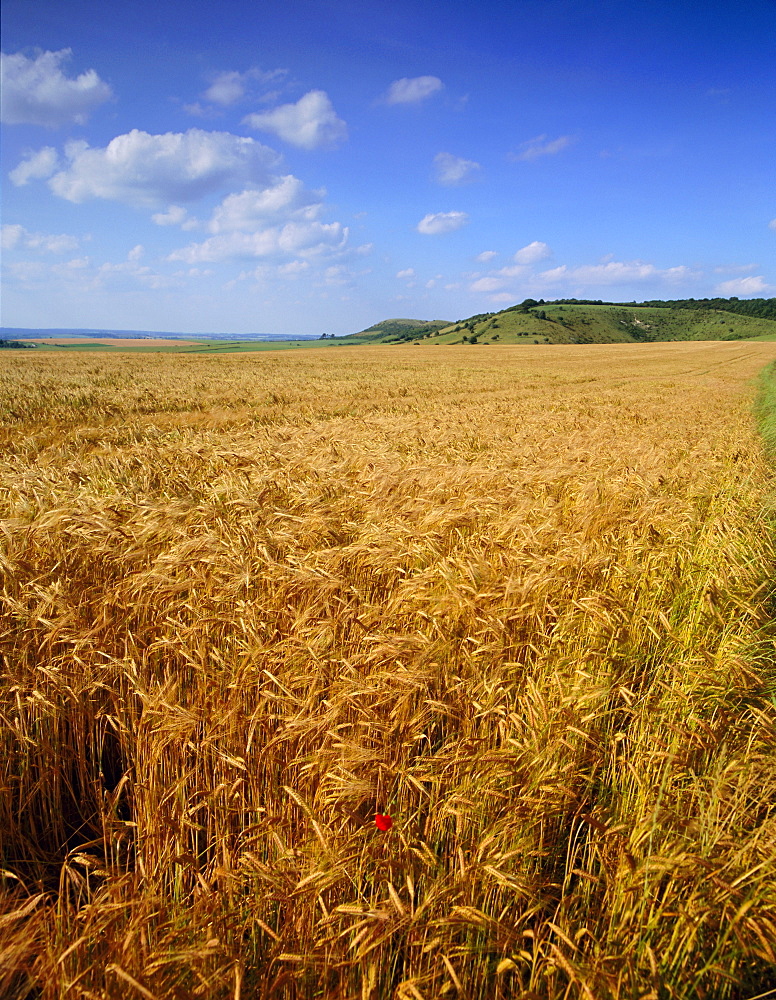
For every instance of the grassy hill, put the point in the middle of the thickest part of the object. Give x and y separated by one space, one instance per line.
398 331
576 323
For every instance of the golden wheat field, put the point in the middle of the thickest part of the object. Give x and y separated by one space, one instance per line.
517 599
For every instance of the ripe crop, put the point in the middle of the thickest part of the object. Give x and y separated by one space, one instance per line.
513 602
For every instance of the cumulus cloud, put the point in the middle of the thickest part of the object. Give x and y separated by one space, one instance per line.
487 285
300 239
524 275
15 237
678 275
37 92
452 170
336 276
147 170
751 285
533 253
772 224
281 219
230 86
131 270
227 88
442 222
540 145
514 271
611 273
35 166
11 236
311 123
175 215
485 256
408 272
411 90
285 198
615 272
294 268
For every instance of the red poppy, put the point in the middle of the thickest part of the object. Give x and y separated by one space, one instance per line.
383 822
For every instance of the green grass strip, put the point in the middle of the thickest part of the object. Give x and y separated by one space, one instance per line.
765 409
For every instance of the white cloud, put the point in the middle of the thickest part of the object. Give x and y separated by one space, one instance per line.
772 224
752 285
36 91
487 285
514 271
198 111
453 170
300 239
226 88
230 86
554 275
11 236
533 253
442 222
130 268
605 272
677 275
612 273
142 169
277 221
15 237
35 166
311 123
410 90
286 198
408 272
540 145
615 272
294 268
485 256
175 215
336 275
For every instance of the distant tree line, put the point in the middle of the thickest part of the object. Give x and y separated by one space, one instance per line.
15 344
760 308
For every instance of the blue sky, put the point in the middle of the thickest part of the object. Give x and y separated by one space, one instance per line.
315 166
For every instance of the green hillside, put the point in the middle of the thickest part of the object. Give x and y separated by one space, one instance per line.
578 323
397 331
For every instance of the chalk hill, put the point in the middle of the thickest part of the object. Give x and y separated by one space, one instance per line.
576 322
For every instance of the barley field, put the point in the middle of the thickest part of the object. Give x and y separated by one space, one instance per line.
517 599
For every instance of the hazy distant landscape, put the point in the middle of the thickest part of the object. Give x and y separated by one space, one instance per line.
530 322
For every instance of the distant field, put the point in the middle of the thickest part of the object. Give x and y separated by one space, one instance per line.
519 599
116 342
149 344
